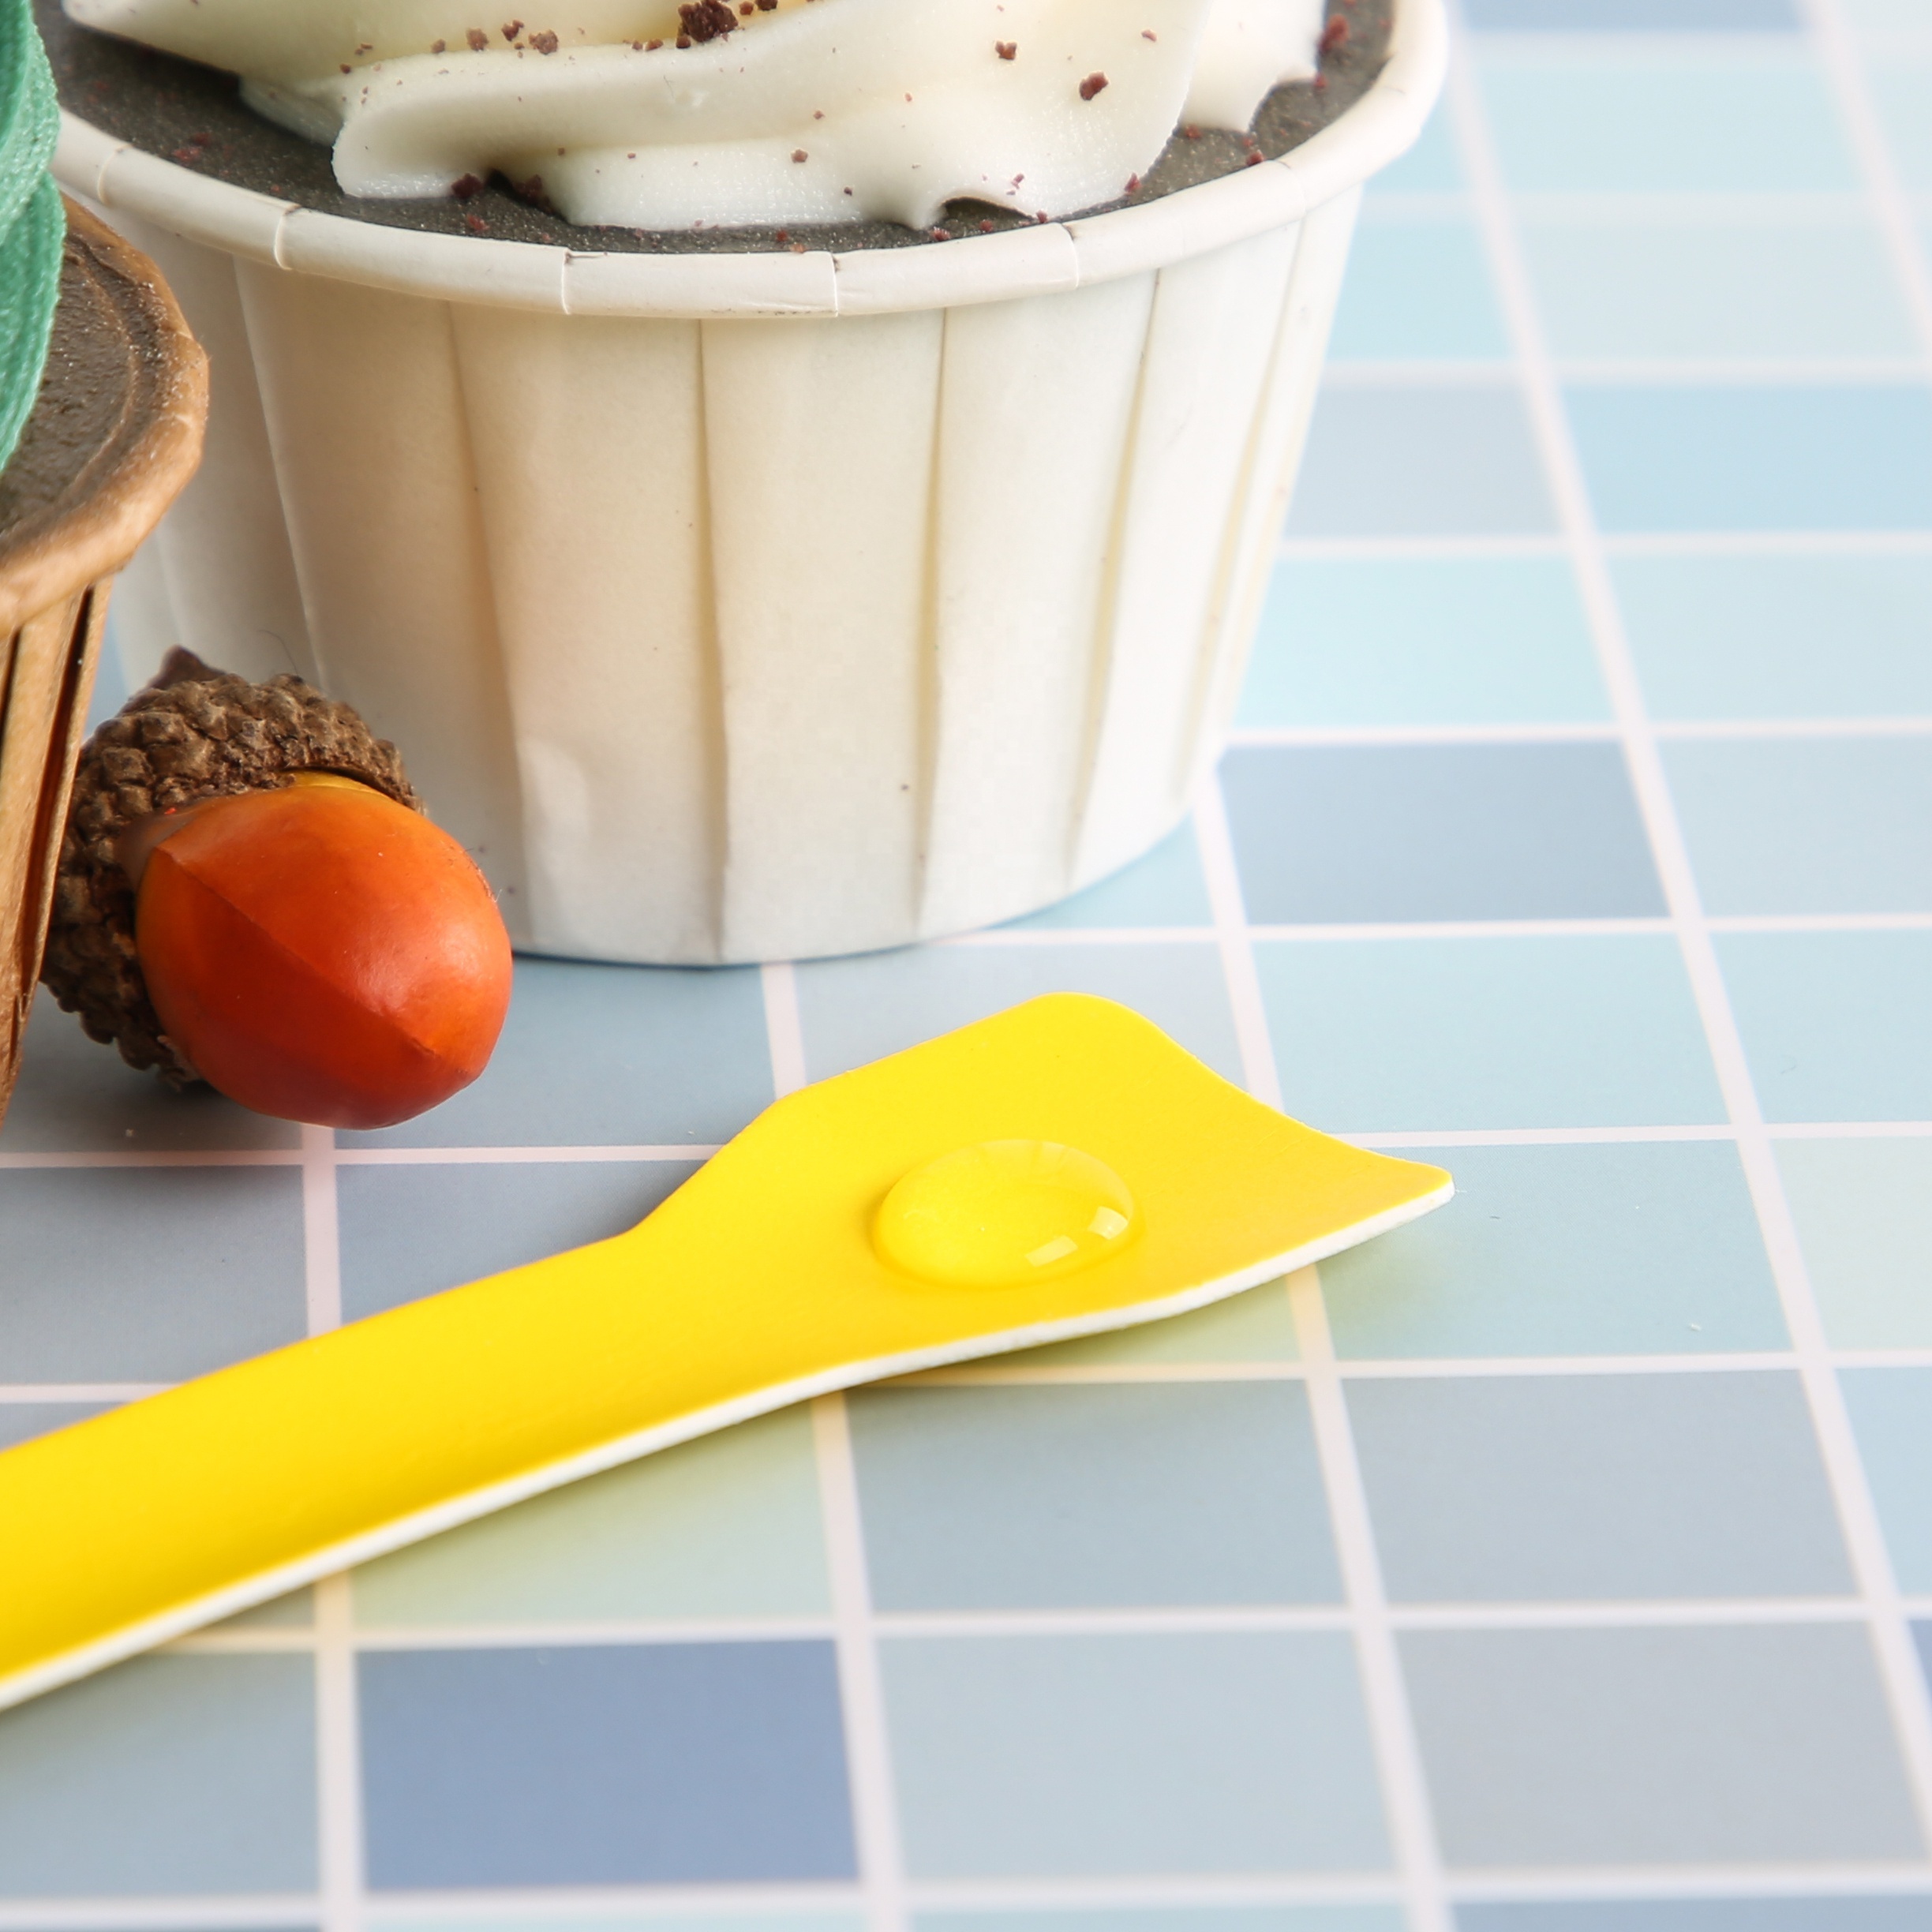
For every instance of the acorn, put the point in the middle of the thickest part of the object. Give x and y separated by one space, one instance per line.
250 894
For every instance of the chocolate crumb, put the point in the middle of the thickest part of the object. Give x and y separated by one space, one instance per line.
1005 49
683 40
705 20
1190 133
1133 184
651 47
1093 85
478 39
437 46
346 68
784 234
544 42
986 227
511 29
798 247
1148 33
1254 160
1335 34
798 154
464 186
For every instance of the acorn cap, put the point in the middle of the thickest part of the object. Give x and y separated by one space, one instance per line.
194 733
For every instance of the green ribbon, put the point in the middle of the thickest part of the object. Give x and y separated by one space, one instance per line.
32 223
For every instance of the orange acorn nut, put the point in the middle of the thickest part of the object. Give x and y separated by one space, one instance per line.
322 953
250 895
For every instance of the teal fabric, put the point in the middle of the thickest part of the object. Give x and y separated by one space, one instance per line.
31 223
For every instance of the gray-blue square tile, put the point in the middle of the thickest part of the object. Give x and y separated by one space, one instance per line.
21 1421
1026 1498
1726 1744
1413 462
1502 1488
169 1774
76 1096
1352 834
1646 1247
612 1056
859 1009
147 1274
604 1765
410 1230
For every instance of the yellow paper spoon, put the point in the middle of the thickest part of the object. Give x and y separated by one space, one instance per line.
1059 1169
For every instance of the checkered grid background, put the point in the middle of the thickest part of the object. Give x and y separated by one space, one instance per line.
1561 1564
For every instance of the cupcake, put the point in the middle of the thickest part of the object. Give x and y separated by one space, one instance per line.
800 475
101 396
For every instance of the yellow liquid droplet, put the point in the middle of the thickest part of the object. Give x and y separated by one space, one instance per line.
1003 1212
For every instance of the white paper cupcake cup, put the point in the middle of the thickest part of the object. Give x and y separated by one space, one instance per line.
760 606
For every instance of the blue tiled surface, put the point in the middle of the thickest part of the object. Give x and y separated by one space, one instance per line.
1538 1498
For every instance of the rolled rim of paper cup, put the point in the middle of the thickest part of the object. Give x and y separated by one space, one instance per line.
1051 257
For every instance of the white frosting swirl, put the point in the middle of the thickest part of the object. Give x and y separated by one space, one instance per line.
806 110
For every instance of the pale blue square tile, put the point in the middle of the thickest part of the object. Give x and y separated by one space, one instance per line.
1780 637
604 1765
1165 889
1757 1744
76 1096
1809 824
1416 462
1892 1414
169 1774
1901 83
147 1274
1816 1912
1592 1488
1170 1919
1417 286
1600 123
1364 834
858 1009
624 1056
1413 1034
1836 1025
1632 16
1058 1757
726 1526
1864 1213
1431 166
1703 288
1644 1248
1437 641
1756 459
1008 1499
409 1231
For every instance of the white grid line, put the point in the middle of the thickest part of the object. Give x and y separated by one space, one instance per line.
1902 1680
868 1748
338 1796
1391 1731
1389 1137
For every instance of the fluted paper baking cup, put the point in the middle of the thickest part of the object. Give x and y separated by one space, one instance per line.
760 606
